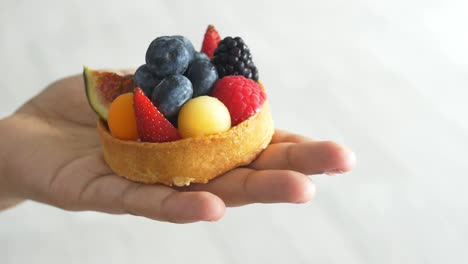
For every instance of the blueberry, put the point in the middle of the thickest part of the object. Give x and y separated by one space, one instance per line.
188 45
197 56
200 56
171 93
146 79
202 74
168 56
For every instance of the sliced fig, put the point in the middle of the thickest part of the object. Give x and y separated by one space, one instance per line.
103 87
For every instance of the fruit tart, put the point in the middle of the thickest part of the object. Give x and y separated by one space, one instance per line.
184 116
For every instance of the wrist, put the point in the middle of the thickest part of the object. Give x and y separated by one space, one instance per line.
8 194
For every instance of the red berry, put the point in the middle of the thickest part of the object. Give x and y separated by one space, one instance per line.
243 97
210 42
151 124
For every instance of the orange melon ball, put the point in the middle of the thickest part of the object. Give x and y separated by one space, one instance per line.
121 118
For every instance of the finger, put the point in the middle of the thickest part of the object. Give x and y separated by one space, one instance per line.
312 157
117 195
283 136
245 186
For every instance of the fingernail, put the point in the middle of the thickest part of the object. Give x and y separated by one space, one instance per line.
308 194
334 172
348 163
351 160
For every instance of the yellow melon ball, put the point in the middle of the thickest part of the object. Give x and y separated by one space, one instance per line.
202 116
121 118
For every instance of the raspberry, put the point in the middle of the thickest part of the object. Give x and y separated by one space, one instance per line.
232 57
243 97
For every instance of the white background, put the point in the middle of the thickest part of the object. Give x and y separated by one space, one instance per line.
387 78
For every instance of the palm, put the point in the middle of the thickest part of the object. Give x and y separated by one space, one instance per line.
77 178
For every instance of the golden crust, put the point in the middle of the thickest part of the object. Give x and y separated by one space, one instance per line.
188 160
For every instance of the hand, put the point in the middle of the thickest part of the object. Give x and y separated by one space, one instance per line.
53 156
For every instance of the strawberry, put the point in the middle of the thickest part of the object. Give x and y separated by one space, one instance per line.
243 97
151 124
210 42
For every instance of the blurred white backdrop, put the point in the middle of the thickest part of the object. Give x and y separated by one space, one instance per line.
387 78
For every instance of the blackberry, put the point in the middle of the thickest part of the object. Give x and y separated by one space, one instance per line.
232 57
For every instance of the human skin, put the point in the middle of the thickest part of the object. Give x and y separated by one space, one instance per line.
51 153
